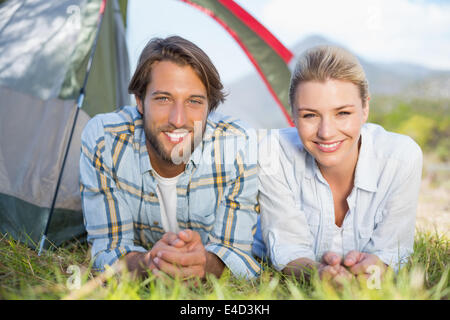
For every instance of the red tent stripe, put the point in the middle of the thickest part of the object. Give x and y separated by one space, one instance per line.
248 53
258 28
103 6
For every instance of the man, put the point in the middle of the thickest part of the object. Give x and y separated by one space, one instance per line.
170 174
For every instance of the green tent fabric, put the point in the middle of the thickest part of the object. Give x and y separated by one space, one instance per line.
44 50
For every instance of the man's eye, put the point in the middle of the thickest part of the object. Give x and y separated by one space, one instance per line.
344 113
194 101
162 99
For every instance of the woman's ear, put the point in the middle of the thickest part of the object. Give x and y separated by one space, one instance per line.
294 116
366 109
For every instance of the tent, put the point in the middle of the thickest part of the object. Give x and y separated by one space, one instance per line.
45 50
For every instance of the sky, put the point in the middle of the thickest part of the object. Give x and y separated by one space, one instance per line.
413 31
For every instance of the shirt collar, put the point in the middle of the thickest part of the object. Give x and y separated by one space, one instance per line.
310 165
143 153
197 155
367 168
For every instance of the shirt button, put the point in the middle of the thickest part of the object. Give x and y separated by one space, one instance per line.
155 223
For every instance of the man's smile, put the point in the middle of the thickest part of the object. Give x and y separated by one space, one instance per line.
176 136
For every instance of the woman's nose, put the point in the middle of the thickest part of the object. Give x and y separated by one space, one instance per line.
326 129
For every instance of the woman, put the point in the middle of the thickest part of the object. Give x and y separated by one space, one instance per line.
337 194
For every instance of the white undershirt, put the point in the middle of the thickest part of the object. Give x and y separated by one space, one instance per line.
167 194
336 245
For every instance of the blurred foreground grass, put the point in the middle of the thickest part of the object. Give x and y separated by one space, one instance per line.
24 275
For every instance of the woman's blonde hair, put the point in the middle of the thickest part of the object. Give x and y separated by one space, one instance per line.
328 62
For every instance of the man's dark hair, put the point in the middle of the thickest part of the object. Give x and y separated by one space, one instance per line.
181 52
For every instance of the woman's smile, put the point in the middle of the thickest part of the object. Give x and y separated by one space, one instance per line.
328 146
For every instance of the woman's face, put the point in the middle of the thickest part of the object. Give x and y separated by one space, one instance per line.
329 116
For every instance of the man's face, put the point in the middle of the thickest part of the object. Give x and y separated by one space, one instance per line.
174 109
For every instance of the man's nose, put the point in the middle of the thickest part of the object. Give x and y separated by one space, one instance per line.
177 115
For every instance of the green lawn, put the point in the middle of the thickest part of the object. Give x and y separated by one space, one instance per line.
24 275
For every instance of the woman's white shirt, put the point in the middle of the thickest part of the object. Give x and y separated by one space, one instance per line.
337 241
297 208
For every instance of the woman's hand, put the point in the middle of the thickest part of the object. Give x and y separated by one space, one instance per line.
358 263
331 269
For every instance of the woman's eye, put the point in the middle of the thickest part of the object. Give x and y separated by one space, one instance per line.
308 115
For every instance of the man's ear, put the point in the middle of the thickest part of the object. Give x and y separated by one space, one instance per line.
140 105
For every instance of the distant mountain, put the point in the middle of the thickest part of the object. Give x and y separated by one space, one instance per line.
250 100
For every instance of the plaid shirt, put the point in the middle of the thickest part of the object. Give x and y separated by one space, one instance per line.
216 194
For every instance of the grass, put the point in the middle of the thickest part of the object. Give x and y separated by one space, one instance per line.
24 275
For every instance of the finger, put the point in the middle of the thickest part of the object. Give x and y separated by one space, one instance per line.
344 273
352 258
340 280
192 239
147 261
166 267
186 235
177 243
342 276
177 271
183 259
172 239
168 237
165 247
327 272
331 258
361 267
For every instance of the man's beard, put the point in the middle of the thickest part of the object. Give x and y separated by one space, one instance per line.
182 151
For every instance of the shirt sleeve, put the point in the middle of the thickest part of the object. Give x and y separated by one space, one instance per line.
284 226
393 237
232 235
108 221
